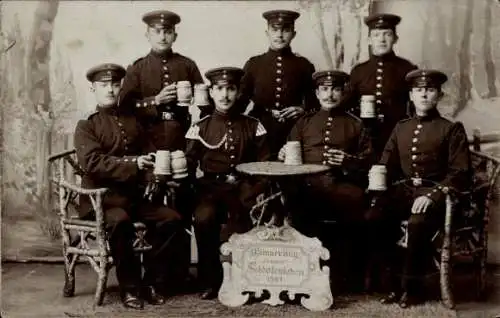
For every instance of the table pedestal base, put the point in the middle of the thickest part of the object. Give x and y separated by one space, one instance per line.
276 259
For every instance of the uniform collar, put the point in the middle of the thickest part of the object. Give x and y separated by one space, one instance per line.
283 52
432 114
386 57
330 113
165 55
113 110
223 116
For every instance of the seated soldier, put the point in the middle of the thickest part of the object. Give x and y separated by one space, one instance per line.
333 137
109 146
218 143
425 147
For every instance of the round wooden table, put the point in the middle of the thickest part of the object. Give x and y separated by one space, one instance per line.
279 173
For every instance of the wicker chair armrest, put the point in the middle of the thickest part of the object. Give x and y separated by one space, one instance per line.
61 155
80 190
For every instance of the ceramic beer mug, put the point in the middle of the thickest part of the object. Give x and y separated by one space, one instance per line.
293 153
201 95
179 164
367 106
184 93
162 163
377 180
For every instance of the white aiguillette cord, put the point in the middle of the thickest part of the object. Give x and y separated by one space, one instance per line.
209 146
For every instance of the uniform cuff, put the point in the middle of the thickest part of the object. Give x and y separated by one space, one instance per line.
146 102
438 193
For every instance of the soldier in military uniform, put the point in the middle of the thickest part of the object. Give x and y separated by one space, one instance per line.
218 143
382 76
150 83
331 136
150 88
424 147
110 147
278 82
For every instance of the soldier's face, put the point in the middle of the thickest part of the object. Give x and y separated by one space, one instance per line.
279 36
381 41
425 98
224 96
328 96
160 38
106 93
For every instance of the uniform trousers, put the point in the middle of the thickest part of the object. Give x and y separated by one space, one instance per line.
333 209
412 263
219 202
164 230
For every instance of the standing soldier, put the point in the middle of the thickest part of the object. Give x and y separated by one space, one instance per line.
278 82
150 88
424 149
218 143
109 146
383 77
150 83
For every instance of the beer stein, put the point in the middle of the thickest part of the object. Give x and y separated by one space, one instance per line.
377 178
179 165
162 163
367 106
293 153
201 95
184 93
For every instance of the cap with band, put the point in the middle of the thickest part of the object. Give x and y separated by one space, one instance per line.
106 72
426 78
225 75
330 78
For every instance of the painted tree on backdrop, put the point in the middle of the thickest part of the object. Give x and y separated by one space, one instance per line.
340 27
31 113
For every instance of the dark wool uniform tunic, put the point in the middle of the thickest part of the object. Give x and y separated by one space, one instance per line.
383 77
218 143
107 146
335 129
277 80
419 148
165 124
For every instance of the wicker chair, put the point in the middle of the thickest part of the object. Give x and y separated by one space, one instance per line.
82 238
465 233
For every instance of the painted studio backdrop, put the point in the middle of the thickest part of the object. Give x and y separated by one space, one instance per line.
48 46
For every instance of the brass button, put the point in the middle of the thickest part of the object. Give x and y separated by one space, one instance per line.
327 139
413 157
279 58
379 78
416 132
378 85
380 63
232 157
378 93
379 70
278 71
277 104
278 95
278 80
165 68
419 126
414 140
278 89
378 101
327 132
330 118
413 149
324 162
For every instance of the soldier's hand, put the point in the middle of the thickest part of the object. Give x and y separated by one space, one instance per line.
167 94
421 204
277 115
173 184
336 157
282 153
145 161
292 112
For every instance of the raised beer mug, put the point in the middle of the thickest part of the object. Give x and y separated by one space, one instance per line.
367 106
201 95
184 93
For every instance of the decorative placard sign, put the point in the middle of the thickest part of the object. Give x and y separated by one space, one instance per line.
275 259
